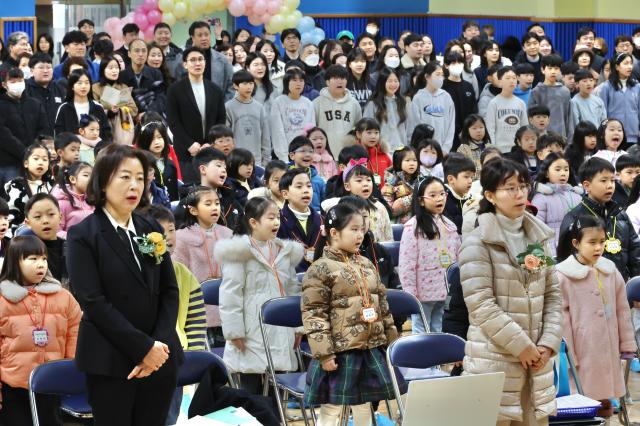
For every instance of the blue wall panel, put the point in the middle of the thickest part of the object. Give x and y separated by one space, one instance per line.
12 26
363 7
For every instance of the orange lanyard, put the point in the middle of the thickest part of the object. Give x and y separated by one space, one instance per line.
271 261
213 272
363 289
44 311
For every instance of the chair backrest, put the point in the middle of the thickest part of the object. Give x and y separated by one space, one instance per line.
453 275
282 311
60 377
426 350
397 229
300 276
24 230
633 290
393 247
196 364
211 291
402 303
174 204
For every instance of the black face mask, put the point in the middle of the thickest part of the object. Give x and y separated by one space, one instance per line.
597 51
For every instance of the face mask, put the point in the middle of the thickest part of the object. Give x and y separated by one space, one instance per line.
392 62
428 160
15 89
26 71
312 60
456 70
597 51
636 41
372 30
437 82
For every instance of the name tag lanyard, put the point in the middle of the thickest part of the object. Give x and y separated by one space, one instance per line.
607 307
443 255
368 312
40 335
271 261
612 245
214 272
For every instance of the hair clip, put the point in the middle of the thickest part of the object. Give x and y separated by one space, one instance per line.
332 216
150 123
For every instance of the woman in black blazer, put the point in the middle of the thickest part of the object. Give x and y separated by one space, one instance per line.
67 116
127 342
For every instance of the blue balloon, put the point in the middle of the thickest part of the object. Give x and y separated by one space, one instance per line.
306 24
317 39
318 33
306 38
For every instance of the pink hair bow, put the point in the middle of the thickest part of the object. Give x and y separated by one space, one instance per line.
353 163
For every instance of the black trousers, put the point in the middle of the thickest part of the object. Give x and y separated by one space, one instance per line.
135 402
16 409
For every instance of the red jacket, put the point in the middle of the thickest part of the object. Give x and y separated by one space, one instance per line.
379 161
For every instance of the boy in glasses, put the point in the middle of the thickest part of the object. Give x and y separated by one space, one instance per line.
301 155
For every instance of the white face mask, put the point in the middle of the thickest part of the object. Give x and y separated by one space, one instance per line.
636 41
456 70
392 62
312 60
15 89
26 71
437 82
373 30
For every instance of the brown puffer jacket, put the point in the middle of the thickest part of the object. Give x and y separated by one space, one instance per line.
510 310
331 306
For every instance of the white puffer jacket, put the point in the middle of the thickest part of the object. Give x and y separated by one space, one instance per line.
510 310
247 282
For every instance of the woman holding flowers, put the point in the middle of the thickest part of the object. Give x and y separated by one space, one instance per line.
122 276
513 297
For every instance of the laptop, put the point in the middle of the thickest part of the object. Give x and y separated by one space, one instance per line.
454 401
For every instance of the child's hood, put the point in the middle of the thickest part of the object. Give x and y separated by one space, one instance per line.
239 249
577 271
194 236
14 292
60 195
557 188
324 94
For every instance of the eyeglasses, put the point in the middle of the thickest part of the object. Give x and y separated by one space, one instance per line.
435 196
43 67
515 190
139 50
197 60
303 151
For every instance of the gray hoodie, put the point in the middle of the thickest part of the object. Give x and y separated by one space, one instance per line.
288 119
391 131
250 126
437 110
504 117
558 99
337 117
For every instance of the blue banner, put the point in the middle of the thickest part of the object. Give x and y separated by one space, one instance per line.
364 7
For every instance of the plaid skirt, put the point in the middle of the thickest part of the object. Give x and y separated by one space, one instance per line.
362 376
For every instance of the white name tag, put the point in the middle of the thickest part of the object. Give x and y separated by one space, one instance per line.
369 314
40 337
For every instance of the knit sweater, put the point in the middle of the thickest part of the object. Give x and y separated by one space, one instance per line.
504 117
249 122
288 119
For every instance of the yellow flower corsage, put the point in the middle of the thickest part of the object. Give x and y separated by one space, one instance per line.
153 244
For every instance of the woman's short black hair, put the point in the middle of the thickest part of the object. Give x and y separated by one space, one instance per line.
107 163
496 172
290 75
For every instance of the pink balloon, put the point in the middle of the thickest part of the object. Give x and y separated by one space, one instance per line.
236 8
259 7
255 20
154 17
148 33
141 20
265 18
151 4
273 7
248 4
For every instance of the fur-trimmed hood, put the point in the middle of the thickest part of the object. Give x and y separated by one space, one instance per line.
239 249
556 188
14 292
577 271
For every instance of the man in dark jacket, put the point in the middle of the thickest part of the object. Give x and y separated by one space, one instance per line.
17 44
147 83
21 120
41 86
172 53
75 45
623 245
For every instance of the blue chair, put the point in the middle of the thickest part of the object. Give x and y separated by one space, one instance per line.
422 351
174 205
196 364
60 378
283 312
397 229
393 247
211 295
453 275
23 231
300 276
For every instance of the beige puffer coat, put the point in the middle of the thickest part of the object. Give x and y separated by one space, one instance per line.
509 311
331 306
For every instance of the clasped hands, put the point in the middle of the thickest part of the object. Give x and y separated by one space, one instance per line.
155 358
535 357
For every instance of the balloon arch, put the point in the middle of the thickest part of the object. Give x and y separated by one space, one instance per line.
275 15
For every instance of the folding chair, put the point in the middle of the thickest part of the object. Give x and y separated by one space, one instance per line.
174 205
393 247
422 351
24 230
633 295
397 229
300 276
211 295
196 364
283 312
60 378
